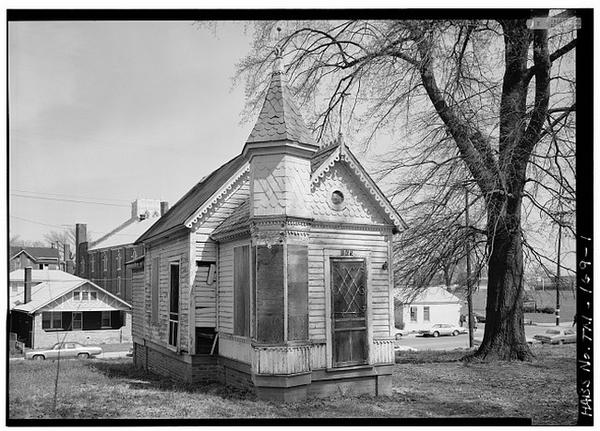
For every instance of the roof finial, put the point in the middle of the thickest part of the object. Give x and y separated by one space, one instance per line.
340 140
278 50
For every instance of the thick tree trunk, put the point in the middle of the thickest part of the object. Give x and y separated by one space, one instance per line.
504 336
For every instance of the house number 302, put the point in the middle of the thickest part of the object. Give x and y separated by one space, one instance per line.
347 253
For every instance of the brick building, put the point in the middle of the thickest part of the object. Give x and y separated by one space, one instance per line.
103 261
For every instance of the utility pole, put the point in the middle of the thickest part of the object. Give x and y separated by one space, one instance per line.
558 272
468 253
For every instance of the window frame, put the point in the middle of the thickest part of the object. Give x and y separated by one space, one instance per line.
52 320
426 313
173 337
413 314
238 329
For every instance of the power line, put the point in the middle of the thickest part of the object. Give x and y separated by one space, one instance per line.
67 226
69 200
67 195
37 222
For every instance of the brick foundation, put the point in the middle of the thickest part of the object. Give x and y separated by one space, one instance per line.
369 380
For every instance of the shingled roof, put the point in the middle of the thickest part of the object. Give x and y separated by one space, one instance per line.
36 252
279 118
192 200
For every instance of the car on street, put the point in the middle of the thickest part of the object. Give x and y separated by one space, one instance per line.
399 333
64 351
557 336
442 329
479 318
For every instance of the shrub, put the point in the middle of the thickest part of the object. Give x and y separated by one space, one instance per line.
548 310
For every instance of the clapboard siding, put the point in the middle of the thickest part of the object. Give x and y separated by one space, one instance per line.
173 250
373 242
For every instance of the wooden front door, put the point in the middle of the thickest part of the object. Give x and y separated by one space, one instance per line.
348 311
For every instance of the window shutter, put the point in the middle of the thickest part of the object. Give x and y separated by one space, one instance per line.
154 287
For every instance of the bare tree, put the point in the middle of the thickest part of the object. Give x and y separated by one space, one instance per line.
477 104
66 236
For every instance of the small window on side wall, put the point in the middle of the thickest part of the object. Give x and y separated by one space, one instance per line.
413 314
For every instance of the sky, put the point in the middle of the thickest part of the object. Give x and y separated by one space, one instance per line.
108 112
102 113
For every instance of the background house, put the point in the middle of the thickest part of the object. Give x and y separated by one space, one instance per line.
103 261
433 305
279 264
35 257
51 306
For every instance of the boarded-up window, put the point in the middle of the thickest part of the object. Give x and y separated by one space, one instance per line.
426 314
173 304
154 288
241 291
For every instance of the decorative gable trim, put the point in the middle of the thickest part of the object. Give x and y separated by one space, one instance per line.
218 196
322 170
364 178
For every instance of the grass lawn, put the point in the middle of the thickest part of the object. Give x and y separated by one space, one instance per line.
426 384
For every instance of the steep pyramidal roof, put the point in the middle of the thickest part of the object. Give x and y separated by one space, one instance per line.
280 118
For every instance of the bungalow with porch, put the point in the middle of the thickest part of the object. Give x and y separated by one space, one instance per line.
51 306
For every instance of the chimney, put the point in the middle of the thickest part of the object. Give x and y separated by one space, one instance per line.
164 207
80 234
28 285
80 248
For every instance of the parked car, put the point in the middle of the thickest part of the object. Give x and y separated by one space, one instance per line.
64 351
479 318
399 333
557 336
443 329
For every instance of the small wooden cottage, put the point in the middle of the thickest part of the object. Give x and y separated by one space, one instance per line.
51 306
274 272
433 305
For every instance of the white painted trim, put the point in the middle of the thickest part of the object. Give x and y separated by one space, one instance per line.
390 270
210 202
83 281
363 177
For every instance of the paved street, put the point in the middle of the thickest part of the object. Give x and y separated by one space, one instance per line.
462 341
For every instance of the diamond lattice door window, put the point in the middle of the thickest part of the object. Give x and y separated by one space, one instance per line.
348 311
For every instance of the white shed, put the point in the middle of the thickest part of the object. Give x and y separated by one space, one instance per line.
434 305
